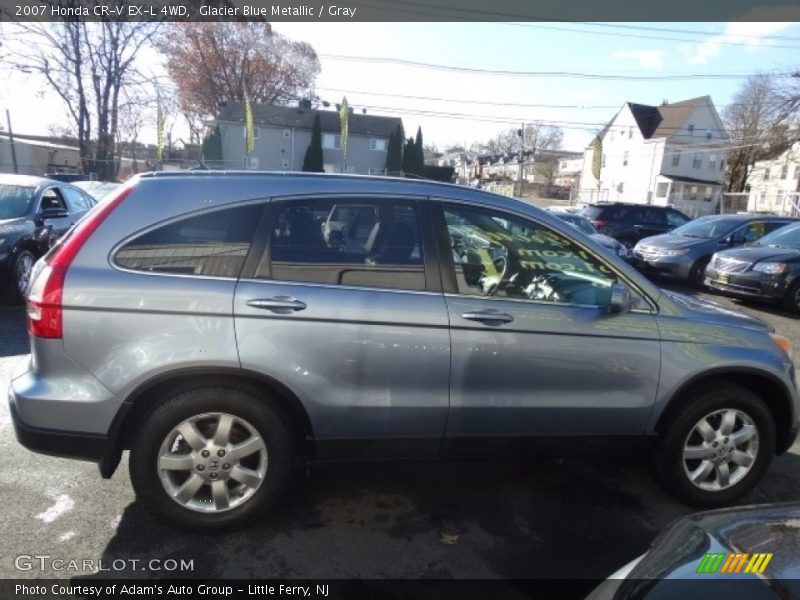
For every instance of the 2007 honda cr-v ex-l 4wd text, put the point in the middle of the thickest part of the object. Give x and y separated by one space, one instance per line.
206 322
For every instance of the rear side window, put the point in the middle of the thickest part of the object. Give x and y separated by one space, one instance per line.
212 244
341 242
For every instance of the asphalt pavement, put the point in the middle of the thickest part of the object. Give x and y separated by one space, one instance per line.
555 518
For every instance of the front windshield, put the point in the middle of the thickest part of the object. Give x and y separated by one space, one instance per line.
708 227
785 237
15 200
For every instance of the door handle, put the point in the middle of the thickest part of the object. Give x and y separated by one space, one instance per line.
488 316
281 304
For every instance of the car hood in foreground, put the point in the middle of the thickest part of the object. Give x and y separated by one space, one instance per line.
706 311
680 549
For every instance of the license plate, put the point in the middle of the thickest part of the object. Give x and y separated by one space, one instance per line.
723 277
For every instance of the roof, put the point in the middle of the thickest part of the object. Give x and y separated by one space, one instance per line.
663 120
26 180
20 139
303 118
691 180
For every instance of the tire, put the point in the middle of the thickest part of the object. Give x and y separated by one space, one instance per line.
14 293
698 272
791 302
628 242
711 403
254 479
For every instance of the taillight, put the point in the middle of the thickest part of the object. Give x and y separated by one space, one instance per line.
45 311
600 223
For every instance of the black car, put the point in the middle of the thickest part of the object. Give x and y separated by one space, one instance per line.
768 269
628 223
34 213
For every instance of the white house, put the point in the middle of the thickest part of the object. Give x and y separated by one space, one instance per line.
774 185
672 154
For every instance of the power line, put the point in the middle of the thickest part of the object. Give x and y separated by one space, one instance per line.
571 74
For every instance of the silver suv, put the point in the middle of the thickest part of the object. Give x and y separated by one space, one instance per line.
206 322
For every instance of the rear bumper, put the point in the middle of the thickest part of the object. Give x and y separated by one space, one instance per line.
66 444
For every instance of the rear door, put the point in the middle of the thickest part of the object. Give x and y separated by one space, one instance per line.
354 324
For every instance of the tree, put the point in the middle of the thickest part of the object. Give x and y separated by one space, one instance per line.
88 66
757 124
408 156
394 151
313 159
213 62
418 164
212 146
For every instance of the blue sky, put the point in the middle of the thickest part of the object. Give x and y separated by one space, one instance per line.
715 48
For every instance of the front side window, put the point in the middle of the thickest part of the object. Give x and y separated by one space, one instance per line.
371 243
212 244
503 256
52 199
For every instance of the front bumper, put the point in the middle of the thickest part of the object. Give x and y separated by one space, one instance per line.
750 284
674 266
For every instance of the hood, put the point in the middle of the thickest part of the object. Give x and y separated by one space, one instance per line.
754 254
712 312
672 240
681 547
605 240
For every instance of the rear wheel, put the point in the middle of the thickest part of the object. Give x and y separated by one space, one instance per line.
717 447
213 459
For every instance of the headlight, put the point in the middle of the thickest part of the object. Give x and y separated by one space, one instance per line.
673 252
770 268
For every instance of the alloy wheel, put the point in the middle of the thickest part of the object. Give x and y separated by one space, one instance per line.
720 449
24 267
212 462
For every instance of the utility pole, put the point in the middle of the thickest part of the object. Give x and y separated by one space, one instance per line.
521 157
11 141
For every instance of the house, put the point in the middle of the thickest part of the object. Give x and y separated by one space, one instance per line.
569 172
672 154
37 156
774 185
283 133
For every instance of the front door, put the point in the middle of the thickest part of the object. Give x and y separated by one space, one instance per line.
348 318
535 351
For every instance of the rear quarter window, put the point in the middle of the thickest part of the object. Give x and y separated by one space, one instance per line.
213 244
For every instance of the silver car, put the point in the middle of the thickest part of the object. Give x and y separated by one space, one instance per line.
220 338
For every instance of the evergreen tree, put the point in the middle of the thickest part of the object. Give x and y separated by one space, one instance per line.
419 154
212 146
394 152
312 161
408 156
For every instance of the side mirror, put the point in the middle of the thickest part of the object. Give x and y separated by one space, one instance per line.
621 300
53 213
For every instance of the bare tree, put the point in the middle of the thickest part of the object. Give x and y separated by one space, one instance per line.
214 62
757 123
87 65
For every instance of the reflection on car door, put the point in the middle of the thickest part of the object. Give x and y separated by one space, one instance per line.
535 352
357 331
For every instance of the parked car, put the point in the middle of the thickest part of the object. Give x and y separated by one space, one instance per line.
97 189
587 227
219 337
767 269
684 252
629 223
34 212
743 552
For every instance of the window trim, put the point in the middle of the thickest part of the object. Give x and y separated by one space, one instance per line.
259 269
190 215
448 270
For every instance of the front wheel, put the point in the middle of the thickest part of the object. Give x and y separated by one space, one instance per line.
212 459
791 301
21 269
697 275
716 448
